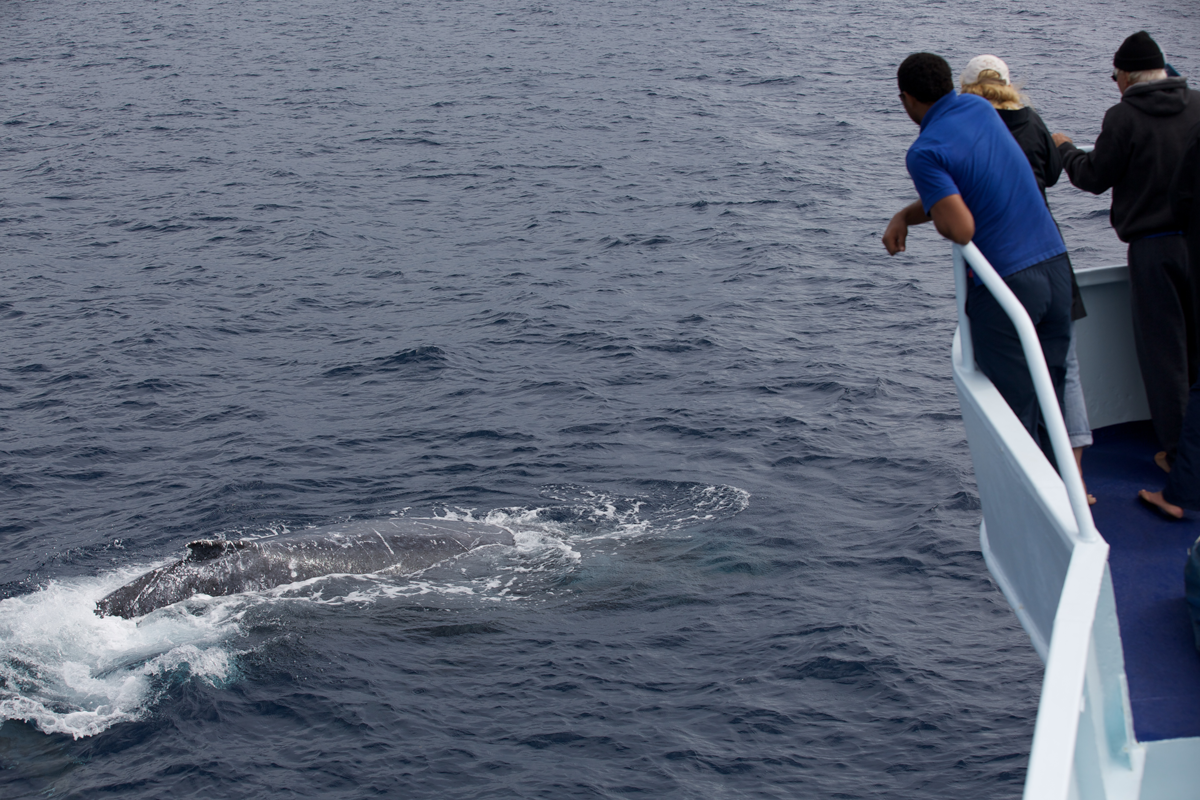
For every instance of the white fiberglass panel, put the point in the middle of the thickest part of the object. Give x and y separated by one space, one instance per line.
1028 519
1108 364
1171 772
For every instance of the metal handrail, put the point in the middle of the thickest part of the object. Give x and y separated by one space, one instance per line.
1053 752
1047 399
1056 734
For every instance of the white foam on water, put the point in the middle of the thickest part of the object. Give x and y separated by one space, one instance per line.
588 514
66 670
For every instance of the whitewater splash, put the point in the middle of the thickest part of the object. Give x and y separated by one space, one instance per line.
66 670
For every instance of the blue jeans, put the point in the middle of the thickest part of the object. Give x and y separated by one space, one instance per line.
1045 291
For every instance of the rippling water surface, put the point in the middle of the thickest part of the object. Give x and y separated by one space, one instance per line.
607 273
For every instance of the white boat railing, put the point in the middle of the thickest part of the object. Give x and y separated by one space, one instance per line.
1082 734
1047 399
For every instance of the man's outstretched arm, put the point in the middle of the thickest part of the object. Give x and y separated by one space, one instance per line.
950 216
1099 170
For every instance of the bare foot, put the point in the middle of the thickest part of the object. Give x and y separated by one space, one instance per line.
1091 498
1155 500
1160 458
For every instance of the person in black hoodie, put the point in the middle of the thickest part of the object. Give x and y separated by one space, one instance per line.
1141 142
987 76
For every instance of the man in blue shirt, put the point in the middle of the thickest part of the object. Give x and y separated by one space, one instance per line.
976 184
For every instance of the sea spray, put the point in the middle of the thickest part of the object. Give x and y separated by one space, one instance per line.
66 670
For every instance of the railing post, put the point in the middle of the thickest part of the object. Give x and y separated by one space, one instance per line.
1047 398
964 323
1053 752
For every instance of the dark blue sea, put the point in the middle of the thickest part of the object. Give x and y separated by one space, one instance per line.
605 272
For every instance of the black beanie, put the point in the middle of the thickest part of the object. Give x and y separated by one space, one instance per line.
1139 52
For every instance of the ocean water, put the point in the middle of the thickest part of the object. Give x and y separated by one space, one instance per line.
605 273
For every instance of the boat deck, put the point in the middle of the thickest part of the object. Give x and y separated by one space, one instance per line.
1146 560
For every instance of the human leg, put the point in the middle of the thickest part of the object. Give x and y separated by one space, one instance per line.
999 356
1161 295
1183 484
1044 290
1079 430
1074 407
1054 326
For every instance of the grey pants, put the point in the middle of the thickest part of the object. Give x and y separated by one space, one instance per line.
1074 408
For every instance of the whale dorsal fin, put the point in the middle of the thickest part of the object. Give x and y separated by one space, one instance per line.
208 549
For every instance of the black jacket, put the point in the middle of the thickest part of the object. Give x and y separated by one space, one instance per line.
1034 138
1141 143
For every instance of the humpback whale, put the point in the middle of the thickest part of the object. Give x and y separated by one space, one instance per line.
222 567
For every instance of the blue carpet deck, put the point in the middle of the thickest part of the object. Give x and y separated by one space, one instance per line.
1146 559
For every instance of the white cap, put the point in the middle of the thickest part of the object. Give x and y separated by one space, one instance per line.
978 64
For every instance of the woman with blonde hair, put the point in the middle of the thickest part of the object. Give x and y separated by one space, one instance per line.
987 76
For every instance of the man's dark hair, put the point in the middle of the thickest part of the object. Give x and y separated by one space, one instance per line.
926 77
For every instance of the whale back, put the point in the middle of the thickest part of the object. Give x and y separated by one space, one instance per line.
222 567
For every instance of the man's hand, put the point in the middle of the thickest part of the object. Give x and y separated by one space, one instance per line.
1059 138
896 235
950 216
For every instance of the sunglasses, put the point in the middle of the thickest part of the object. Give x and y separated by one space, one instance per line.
1114 75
